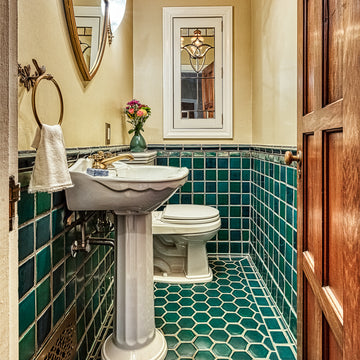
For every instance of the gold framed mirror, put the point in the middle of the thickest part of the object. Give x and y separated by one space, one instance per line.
88 22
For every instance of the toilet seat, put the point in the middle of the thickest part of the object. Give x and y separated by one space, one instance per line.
185 219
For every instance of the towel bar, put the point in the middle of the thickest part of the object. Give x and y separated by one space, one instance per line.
51 78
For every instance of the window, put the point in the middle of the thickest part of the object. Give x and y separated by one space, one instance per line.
197 72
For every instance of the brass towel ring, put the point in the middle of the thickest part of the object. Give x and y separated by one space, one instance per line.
47 77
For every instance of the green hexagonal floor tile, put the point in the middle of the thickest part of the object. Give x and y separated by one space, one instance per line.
186 323
201 317
219 335
238 343
221 350
203 343
254 336
202 329
186 349
204 355
258 351
186 335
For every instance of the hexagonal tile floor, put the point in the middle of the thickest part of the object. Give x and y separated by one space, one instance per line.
222 319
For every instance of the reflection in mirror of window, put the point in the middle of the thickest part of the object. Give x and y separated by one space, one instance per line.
89 24
197 72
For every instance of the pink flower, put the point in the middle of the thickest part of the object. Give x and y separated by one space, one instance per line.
141 112
131 111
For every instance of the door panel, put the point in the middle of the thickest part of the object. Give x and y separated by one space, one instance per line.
312 324
332 351
329 186
333 238
333 50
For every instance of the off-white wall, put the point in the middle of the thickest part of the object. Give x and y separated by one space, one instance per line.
273 25
43 35
148 85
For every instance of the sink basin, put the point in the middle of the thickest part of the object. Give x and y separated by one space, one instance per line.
129 189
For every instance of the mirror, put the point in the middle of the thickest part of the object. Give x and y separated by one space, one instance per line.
88 22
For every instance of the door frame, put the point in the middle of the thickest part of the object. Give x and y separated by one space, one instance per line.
8 162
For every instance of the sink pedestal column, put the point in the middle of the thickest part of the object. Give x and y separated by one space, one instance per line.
135 336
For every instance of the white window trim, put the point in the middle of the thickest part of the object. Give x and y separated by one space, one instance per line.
169 13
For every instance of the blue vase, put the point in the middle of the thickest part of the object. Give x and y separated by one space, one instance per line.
137 143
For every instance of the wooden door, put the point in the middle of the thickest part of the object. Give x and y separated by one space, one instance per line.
329 183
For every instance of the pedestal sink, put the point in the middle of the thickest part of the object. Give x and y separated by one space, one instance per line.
132 192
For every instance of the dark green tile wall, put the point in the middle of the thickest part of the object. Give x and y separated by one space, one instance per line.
273 229
218 178
51 281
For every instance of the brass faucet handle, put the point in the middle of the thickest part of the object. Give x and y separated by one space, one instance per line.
98 158
109 161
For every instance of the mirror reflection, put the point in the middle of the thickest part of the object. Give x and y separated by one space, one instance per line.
89 19
197 72
87 23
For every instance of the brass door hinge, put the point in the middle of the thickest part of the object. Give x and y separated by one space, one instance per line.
14 196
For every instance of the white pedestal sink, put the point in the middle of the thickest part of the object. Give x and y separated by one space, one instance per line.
132 192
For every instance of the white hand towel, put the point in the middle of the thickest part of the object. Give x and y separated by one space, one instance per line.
50 172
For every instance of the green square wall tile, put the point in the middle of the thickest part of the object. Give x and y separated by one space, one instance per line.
58 279
26 312
43 202
58 198
27 345
43 296
26 207
223 187
43 263
174 162
58 308
26 241
42 231
210 175
223 175
199 199
58 249
198 163
57 221
71 267
235 186
26 277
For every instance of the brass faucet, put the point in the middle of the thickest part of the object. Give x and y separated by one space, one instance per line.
103 160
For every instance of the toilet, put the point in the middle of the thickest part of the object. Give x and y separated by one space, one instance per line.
180 234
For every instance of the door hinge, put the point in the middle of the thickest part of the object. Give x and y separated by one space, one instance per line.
222 26
14 196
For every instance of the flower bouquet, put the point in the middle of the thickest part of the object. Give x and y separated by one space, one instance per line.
137 114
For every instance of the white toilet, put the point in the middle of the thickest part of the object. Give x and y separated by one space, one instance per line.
180 233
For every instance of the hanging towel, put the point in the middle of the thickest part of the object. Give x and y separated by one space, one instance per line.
50 172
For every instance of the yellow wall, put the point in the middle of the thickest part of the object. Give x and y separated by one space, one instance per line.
264 69
43 35
148 65
273 25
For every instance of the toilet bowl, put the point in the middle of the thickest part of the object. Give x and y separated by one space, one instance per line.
180 234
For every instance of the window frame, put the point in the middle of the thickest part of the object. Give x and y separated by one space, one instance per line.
170 129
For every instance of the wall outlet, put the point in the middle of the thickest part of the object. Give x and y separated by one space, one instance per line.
107 133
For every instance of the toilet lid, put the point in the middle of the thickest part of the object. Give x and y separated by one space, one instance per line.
189 214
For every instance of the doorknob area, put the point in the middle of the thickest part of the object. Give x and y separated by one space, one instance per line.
289 157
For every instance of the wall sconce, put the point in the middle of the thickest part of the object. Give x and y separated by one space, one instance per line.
116 11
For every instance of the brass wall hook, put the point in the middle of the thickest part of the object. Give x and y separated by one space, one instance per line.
24 73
